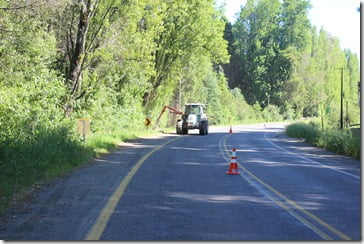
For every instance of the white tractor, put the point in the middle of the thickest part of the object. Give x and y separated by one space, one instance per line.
194 117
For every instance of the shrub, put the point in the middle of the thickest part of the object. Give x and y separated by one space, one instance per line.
271 113
342 142
301 130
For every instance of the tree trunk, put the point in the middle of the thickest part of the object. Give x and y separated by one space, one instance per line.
78 54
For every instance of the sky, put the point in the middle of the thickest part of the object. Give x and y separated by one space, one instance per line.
338 17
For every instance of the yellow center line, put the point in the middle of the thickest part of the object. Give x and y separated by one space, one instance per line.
291 202
100 224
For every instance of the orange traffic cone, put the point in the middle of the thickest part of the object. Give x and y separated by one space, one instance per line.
233 167
230 130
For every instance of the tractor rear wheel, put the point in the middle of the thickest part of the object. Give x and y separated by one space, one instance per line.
203 129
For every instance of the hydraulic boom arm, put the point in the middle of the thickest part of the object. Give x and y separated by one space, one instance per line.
172 110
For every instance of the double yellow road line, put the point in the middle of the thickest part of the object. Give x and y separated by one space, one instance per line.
320 227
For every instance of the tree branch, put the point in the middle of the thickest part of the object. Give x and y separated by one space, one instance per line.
30 5
93 38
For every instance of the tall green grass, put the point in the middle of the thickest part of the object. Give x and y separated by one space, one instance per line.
335 140
26 162
52 153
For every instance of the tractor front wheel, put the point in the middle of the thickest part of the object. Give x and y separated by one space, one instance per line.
184 129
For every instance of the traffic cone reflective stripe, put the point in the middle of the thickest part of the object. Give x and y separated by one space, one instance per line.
233 167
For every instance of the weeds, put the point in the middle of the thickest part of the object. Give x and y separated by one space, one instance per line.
48 156
335 140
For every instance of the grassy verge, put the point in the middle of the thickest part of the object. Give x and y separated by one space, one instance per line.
335 140
26 165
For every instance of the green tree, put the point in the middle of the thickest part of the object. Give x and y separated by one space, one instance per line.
257 33
352 84
80 27
191 29
233 69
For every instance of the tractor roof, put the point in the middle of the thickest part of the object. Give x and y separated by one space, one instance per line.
196 104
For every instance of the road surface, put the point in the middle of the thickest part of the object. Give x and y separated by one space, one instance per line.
171 187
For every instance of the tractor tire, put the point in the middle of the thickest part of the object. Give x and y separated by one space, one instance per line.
184 130
203 129
179 127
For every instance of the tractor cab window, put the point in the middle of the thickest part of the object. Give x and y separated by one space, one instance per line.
193 109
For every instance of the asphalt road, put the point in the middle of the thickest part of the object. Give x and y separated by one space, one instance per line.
173 187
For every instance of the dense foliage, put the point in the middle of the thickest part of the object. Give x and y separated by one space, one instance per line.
278 58
120 61
114 61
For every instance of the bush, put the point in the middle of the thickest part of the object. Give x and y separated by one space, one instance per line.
301 130
50 153
271 114
341 142
36 142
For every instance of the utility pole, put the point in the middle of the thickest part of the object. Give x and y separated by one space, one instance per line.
180 95
359 90
341 99
347 122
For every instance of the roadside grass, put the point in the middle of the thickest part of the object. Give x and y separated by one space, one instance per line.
102 143
27 165
332 139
